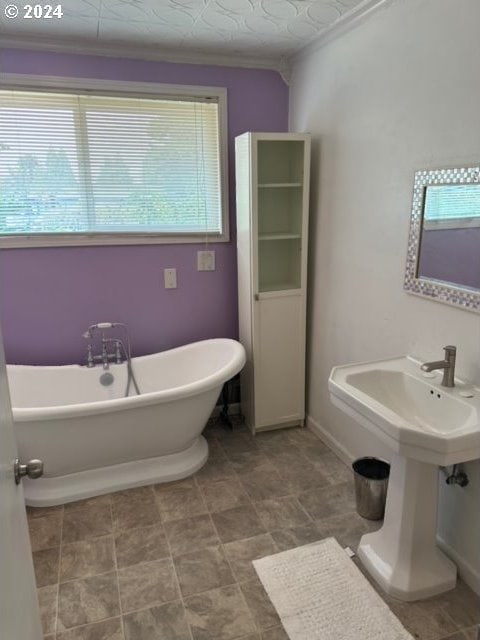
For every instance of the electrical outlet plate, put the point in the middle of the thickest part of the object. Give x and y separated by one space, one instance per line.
205 260
170 276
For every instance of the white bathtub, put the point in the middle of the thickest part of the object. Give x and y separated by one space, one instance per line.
93 440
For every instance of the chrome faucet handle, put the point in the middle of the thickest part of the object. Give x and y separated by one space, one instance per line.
90 361
105 354
118 353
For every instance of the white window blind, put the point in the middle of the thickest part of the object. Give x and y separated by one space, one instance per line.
452 202
93 164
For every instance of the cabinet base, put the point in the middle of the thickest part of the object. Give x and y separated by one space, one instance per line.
283 425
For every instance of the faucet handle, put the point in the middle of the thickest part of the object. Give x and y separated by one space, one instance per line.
90 361
118 353
450 350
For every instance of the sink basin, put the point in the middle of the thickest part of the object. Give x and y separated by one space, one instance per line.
425 425
410 410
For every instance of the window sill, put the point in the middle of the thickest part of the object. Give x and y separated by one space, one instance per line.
111 239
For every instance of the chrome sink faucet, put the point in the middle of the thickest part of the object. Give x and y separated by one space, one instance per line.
448 366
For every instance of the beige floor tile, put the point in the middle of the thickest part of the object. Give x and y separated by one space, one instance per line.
40 512
277 633
190 534
224 494
87 558
166 487
215 450
147 584
247 461
131 511
261 608
301 477
281 513
213 470
141 545
276 440
45 531
179 502
263 483
333 468
235 443
96 501
297 536
329 501
47 600
220 614
105 630
424 619
46 563
346 528
88 600
306 439
461 635
136 494
88 522
462 605
203 570
238 523
241 553
166 622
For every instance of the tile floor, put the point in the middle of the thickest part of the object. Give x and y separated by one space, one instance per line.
173 561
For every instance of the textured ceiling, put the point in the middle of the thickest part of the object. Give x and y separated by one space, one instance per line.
268 29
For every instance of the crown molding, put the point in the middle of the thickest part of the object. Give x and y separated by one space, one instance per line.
117 50
350 20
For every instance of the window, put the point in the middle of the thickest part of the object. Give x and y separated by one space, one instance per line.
91 168
452 206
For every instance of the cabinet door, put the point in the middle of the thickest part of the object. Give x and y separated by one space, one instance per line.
279 359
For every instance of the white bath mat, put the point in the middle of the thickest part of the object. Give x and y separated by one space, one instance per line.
320 594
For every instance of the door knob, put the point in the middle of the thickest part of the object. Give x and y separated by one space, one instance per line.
33 469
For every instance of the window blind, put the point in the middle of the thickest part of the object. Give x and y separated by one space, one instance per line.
452 202
82 164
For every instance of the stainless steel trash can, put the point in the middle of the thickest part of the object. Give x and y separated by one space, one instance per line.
371 482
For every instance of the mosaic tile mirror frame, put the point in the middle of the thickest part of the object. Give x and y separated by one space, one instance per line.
443 255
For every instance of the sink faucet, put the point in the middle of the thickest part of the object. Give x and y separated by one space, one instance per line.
448 366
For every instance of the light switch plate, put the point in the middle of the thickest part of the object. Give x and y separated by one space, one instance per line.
205 260
170 276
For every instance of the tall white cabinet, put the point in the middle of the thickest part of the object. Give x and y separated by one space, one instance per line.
272 185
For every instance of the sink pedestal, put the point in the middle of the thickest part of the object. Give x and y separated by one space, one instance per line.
403 556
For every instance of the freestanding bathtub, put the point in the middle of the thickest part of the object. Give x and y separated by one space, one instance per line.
93 440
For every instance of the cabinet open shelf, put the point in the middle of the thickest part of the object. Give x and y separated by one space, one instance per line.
279 264
279 185
279 236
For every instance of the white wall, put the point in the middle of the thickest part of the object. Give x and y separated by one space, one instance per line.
397 93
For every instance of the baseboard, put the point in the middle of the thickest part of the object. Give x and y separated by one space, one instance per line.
465 571
332 443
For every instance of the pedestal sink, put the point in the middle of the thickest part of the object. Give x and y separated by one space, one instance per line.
425 425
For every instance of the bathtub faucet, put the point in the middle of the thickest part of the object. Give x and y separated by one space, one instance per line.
105 357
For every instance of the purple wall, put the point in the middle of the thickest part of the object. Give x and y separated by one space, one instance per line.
451 255
50 296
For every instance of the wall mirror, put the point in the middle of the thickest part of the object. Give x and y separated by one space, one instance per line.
443 257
